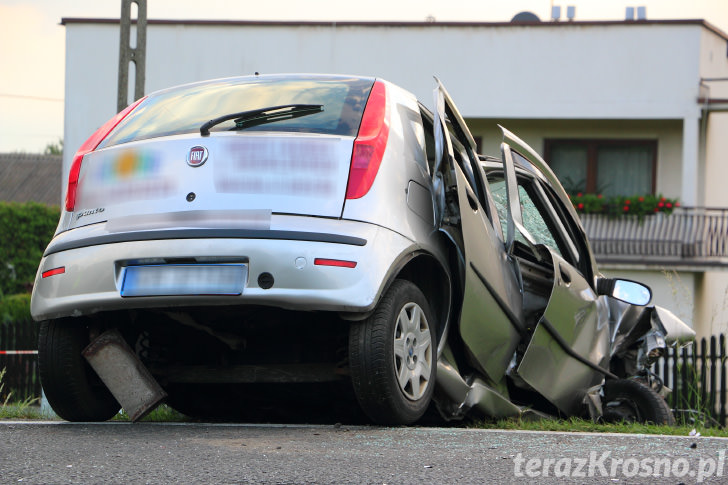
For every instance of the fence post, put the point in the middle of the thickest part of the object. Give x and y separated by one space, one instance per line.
713 375
675 391
722 379
684 395
703 372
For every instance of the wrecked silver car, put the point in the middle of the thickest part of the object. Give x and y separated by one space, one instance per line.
244 246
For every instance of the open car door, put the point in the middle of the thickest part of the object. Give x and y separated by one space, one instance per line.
570 341
490 318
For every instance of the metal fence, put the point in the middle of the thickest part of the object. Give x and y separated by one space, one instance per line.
697 376
688 235
19 358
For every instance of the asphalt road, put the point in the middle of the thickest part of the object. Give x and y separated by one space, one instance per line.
56 452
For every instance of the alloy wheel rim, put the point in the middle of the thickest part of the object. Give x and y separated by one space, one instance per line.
412 351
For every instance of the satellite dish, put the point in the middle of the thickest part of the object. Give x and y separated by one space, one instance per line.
525 17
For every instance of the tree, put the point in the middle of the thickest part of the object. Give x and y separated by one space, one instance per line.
54 148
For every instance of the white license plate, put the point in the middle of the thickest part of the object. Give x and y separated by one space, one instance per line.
184 279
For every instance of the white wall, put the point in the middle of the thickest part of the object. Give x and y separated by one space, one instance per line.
567 71
711 302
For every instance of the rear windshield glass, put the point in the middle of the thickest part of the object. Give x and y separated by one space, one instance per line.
185 109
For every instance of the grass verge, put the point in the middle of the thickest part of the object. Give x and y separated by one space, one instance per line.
32 411
10 409
587 426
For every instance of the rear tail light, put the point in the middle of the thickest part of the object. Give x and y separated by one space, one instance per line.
89 146
54 271
370 143
334 262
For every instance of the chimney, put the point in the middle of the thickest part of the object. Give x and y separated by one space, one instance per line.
555 13
570 12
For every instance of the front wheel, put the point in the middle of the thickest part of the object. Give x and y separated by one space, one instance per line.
393 358
71 386
632 401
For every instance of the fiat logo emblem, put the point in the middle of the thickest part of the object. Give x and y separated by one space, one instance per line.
197 156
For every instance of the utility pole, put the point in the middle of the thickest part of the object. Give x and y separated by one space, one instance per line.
127 54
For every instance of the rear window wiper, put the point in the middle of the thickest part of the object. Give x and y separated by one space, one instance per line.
271 114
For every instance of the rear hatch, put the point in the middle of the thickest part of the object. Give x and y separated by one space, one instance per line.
158 169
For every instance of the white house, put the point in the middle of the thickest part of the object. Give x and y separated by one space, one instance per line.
645 100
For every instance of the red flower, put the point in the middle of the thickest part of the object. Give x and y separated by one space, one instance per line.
660 204
579 194
599 196
641 199
677 204
662 199
627 202
626 208
657 210
580 206
669 205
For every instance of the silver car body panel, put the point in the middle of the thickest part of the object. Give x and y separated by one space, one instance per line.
676 332
401 196
581 318
92 278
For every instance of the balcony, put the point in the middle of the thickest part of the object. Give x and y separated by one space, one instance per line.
689 238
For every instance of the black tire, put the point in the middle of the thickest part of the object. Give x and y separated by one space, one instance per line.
71 386
375 367
632 401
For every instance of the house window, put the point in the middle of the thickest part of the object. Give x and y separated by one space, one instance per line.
608 167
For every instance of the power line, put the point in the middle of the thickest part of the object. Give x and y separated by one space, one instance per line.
34 98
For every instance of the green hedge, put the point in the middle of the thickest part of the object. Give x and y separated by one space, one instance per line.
15 308
25 231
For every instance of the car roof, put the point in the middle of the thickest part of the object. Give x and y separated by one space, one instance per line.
265 78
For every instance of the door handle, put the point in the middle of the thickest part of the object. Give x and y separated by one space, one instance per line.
471 201
565 277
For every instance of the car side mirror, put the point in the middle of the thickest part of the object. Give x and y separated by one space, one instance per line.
627 291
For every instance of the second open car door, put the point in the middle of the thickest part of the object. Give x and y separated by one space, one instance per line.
569 342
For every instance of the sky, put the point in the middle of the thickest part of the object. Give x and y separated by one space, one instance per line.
32 41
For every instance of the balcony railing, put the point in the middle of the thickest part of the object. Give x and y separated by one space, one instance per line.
690 236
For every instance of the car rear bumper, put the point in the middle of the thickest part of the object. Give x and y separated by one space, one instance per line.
94 266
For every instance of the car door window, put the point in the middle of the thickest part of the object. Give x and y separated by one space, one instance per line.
533 219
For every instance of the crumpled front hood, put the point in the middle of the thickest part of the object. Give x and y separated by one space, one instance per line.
629 323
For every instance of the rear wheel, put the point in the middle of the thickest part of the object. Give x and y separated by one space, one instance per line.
632 401
72 388
392 357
